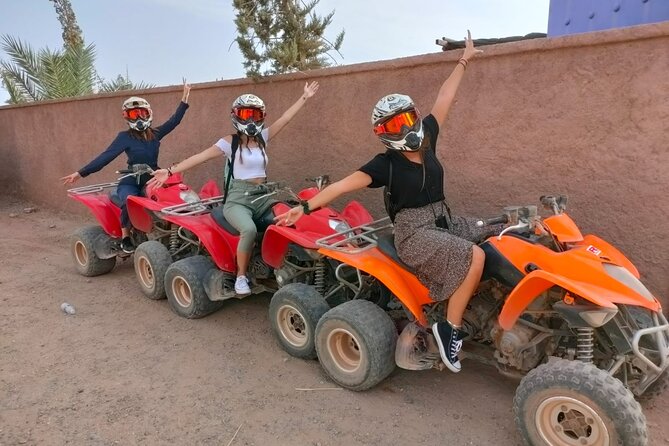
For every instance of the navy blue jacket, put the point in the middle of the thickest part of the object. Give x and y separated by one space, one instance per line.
138 151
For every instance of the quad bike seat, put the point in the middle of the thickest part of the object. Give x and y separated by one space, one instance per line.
386 244
261 224
115 199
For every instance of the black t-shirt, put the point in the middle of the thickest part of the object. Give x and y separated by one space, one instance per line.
407 188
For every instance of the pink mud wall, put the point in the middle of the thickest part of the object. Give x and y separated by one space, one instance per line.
586 115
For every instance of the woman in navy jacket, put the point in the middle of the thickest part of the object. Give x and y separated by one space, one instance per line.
141 144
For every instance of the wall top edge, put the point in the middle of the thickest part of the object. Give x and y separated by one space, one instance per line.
596 38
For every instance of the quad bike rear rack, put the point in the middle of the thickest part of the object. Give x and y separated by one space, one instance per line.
357 239
92 189
196 208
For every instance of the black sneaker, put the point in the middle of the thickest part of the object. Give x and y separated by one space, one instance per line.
449 340
127 246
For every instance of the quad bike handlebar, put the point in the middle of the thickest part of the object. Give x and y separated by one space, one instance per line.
136 170
501 220
276 187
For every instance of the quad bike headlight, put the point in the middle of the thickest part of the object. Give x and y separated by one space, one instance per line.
597 318
189 196
339 225
625 277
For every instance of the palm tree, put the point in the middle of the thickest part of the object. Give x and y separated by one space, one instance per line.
46 74
51 74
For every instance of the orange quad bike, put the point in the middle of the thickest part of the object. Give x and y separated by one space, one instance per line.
564 312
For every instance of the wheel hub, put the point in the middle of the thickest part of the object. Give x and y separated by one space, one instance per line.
146 273
182 292
292 326
561 420
80 253
344 350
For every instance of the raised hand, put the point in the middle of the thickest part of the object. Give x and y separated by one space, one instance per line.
184 98
71 178
470 51
310 89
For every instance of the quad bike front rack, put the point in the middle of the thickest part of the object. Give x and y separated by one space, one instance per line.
196 208
92 189
357 239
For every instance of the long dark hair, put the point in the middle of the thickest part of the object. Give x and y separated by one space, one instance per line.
259 140
145 135
424 146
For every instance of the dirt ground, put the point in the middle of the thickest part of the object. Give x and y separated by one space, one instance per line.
127 370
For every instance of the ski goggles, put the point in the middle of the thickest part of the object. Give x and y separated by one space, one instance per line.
249 113
394 125
137 113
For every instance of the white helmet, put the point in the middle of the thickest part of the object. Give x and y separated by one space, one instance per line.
248 114
137 112
405 135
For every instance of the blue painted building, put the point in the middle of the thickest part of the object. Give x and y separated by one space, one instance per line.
581 16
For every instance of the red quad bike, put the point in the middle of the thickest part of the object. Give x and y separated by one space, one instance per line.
95 248
198 285
163 241
564 312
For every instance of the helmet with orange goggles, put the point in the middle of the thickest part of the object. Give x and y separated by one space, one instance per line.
248 114
397 123
137 112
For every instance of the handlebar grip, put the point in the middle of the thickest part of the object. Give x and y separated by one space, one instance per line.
502 219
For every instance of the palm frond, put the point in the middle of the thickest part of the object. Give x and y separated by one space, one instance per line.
16 95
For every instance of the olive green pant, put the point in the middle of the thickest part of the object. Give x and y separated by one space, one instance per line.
240 212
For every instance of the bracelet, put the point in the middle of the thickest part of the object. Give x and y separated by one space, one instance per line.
305 208
462 61
169 172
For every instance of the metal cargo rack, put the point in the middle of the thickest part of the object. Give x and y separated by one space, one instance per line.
196 208
357 239
92 189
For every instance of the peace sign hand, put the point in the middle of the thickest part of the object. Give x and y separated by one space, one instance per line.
470 51
184 98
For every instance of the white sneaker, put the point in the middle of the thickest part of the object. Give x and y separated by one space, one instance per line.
242 285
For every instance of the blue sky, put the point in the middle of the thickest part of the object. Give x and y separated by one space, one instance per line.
161 41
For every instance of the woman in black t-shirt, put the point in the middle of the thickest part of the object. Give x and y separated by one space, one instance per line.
437 246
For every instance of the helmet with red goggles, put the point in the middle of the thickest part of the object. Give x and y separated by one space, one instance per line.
137 112
398 123
248 114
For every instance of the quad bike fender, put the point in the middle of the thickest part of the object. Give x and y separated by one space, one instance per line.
220 245
105 212
308 193
277 238
403 284
356 214
611 253
563 228
539 281
210 189
140 212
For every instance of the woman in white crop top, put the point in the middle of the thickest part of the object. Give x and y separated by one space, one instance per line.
249 170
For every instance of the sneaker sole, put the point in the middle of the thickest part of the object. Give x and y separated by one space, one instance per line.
242 293
442 352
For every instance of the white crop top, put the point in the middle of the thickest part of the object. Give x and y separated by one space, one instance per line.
253 165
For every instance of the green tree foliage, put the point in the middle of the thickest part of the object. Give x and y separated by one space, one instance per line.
282 36
36 75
